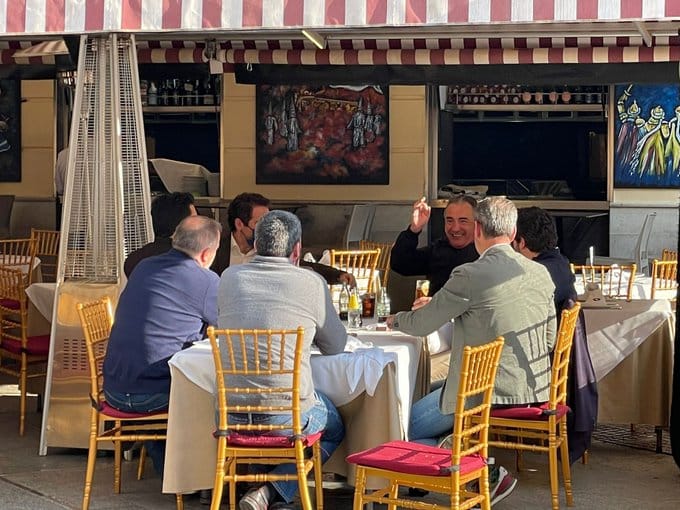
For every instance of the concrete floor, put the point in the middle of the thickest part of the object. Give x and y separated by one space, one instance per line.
616 477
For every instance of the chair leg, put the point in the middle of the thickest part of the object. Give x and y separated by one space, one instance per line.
218 485
89 472
180 501
484 489
22 398
142 462
394 493
303 486
584 457
318 476
552 461
359 488
117 460
566 468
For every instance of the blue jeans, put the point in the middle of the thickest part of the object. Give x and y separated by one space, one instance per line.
143 403
428 423
321 416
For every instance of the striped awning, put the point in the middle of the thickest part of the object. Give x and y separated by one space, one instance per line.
40 17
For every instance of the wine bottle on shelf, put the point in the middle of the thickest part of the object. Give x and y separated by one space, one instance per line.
152 94
565 96
538 96
188 93
162 93
199 92
208 96
553 96
176 98
527 96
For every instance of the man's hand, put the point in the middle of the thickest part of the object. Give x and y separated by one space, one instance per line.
420 302
420 216
348 279
390 321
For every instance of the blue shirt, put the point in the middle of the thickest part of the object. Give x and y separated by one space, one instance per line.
167 303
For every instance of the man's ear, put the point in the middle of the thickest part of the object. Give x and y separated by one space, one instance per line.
238 224
296 254
513 235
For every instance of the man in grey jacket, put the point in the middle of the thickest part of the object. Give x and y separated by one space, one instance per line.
500 294
272 292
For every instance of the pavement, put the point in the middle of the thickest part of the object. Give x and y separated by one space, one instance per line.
616 477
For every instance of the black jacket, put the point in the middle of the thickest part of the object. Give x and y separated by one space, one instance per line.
435 261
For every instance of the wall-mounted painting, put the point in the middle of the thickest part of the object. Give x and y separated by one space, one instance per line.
322 135
647 136
10 131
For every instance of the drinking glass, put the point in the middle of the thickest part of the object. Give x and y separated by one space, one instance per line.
422 288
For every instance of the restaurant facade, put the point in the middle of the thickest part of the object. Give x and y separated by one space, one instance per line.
516 95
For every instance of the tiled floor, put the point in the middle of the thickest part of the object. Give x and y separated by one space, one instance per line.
617 477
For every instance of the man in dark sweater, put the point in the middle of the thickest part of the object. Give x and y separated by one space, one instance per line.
166 305
437 260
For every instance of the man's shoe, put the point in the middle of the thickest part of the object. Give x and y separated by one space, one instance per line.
446 443
255 499
504 485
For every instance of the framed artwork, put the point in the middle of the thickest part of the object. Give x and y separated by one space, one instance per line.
10 131
332 134
647 136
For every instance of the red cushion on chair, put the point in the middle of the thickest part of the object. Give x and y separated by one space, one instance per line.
36 345
532 412
414 458
10 303
112 412
268 441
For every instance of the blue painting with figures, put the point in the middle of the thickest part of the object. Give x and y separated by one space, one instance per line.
647 136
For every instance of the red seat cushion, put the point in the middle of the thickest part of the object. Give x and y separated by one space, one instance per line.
112 412
531 412
268 441
12 304
35 346
414 458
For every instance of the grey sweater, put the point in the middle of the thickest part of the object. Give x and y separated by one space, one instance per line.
272 293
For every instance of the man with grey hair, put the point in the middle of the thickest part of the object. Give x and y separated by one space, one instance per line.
247 300
167 303
501 294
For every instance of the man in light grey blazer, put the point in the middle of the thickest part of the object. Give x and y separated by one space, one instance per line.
501 294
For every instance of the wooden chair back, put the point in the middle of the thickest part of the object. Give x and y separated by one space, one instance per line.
383 261
614 280
361 263
96 318
47 250
664 275
561 355
667 254
18 253
13 305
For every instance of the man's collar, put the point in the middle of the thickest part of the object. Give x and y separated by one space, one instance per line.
497 245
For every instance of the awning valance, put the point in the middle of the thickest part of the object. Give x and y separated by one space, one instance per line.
32 17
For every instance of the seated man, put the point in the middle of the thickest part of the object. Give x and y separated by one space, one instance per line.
536 239
302 299
243 214
437 260
166 213
167 303
500 294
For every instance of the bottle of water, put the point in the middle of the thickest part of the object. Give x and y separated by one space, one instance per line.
382 305
354 310
343 302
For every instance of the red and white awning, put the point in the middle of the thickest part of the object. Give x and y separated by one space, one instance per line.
40 17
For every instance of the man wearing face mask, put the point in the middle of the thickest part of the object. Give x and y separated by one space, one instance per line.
242 215
437 260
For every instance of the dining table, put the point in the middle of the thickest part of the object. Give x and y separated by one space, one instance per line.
373 382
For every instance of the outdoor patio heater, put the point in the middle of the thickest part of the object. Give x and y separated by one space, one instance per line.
105 217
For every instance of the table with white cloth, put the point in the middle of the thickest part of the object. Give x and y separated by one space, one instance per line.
642 287
631 348
373 388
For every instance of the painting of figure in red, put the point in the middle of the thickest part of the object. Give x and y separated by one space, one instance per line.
332 134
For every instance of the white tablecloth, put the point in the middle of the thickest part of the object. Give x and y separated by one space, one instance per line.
42 296
642 288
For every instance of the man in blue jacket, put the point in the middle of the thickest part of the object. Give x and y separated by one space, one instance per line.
167 303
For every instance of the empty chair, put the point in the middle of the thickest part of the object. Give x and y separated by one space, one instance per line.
361 263
6 204
384 259
18 351
244 356
667 254
47 250
664 277
615 281
447 471
639 256
545 425
359 225
106 422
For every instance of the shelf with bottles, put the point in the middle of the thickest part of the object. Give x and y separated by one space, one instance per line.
528 98
176 95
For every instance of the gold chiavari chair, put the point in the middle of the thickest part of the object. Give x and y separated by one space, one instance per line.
361 263
615 281
47 250
18 351
241 357
664 275
384 259
443 470
667 254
